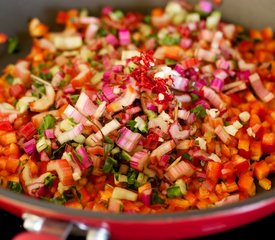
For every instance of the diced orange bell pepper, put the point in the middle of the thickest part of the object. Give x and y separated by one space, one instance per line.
157 12
268 142
267 33
12 150
74 204
265 183
246 184
8 138
255 150
3 162
243 146
213 170
261 170
12 165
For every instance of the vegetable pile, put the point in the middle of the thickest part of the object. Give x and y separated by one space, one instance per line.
137 113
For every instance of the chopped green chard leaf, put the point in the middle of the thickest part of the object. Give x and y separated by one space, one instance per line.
49 180
156 199
15 187
109 165
48 123
13 45
187 156
174 192
9 78
199 111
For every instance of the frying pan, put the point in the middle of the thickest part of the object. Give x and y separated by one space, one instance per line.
56 221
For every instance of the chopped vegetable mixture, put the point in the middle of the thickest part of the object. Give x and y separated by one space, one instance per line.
136 113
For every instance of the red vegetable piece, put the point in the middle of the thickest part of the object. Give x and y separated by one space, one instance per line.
6 126
268 142
28 130
17 90
151 141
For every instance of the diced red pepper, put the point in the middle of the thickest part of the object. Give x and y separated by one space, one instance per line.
17 90
246 184
258 129
213 170
3 38
243 146
43 167
61 17
85 197
6 126
151 141
228 172
241 164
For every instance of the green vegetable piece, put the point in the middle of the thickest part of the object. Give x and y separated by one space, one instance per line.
116 15
9 79
13 45
199 111
174 192
109 164
147 19
74 98
15 186
170 40
194 97
131 124
125 156
48 122
156 199
49 180
169 61
132 176
187 156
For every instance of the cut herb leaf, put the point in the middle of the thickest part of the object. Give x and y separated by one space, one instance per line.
199 111
48 122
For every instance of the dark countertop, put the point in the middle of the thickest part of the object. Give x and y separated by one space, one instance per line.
11 225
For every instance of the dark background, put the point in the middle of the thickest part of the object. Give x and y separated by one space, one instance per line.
11 225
